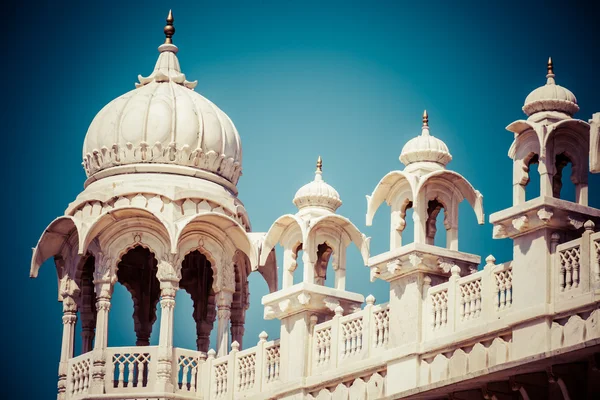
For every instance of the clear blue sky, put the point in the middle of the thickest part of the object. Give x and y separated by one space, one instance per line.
346 80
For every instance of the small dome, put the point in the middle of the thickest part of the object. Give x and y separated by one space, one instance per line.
164 121
318 193
425 148
551 97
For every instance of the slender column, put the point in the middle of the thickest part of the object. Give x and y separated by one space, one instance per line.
68 290
339 266
546 174
237 325
309 268
104 277
224 300
289 266
420 218
168 275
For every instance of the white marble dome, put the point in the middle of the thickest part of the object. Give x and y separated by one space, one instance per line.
425 148
318 193
551 97
163 121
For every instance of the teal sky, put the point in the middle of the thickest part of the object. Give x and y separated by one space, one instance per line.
345 80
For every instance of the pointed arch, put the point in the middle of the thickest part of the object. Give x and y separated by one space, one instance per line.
345 225
572 137
268 270
127 218
395 184
56 237
283 226
462 188
223 228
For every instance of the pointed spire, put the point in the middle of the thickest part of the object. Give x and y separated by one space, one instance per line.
550 74
425 130
169 28
319 164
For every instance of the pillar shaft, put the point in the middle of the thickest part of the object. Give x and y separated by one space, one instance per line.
68 339
224 300
168 290
103 296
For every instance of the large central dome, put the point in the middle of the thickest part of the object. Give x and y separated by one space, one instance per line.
163 121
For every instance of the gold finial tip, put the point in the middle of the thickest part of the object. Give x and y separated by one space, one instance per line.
550 66
169 28
425 118
319 164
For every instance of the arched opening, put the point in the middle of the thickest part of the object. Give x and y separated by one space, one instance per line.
197 281
532 187
298 268
434 209
562 186
239 303
324 252
442 239
408 234
403 226
137 272
87 304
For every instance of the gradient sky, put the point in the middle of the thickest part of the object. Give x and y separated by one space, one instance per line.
346 80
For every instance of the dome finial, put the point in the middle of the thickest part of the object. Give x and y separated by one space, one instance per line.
319 164
169 28
550 74
425 130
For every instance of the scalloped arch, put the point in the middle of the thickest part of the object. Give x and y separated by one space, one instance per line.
281 228
395 182
131 217
474 197
56 235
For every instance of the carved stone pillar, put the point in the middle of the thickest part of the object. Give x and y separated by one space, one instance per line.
237 325
104 278
87 306
224 300
68 290
168 275
309 268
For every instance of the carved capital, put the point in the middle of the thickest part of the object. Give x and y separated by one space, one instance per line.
331 303
393 266
105 269
226 277
544 215
284 305
269 312
499 232
304 298
167 303
169 270
521 224
445 265
223 313
69 319
415 259
576 223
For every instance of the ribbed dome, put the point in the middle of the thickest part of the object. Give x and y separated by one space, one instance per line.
164 121
425 148
318 193
551 97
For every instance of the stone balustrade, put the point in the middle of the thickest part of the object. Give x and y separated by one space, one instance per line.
466 330
466 302
350 338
